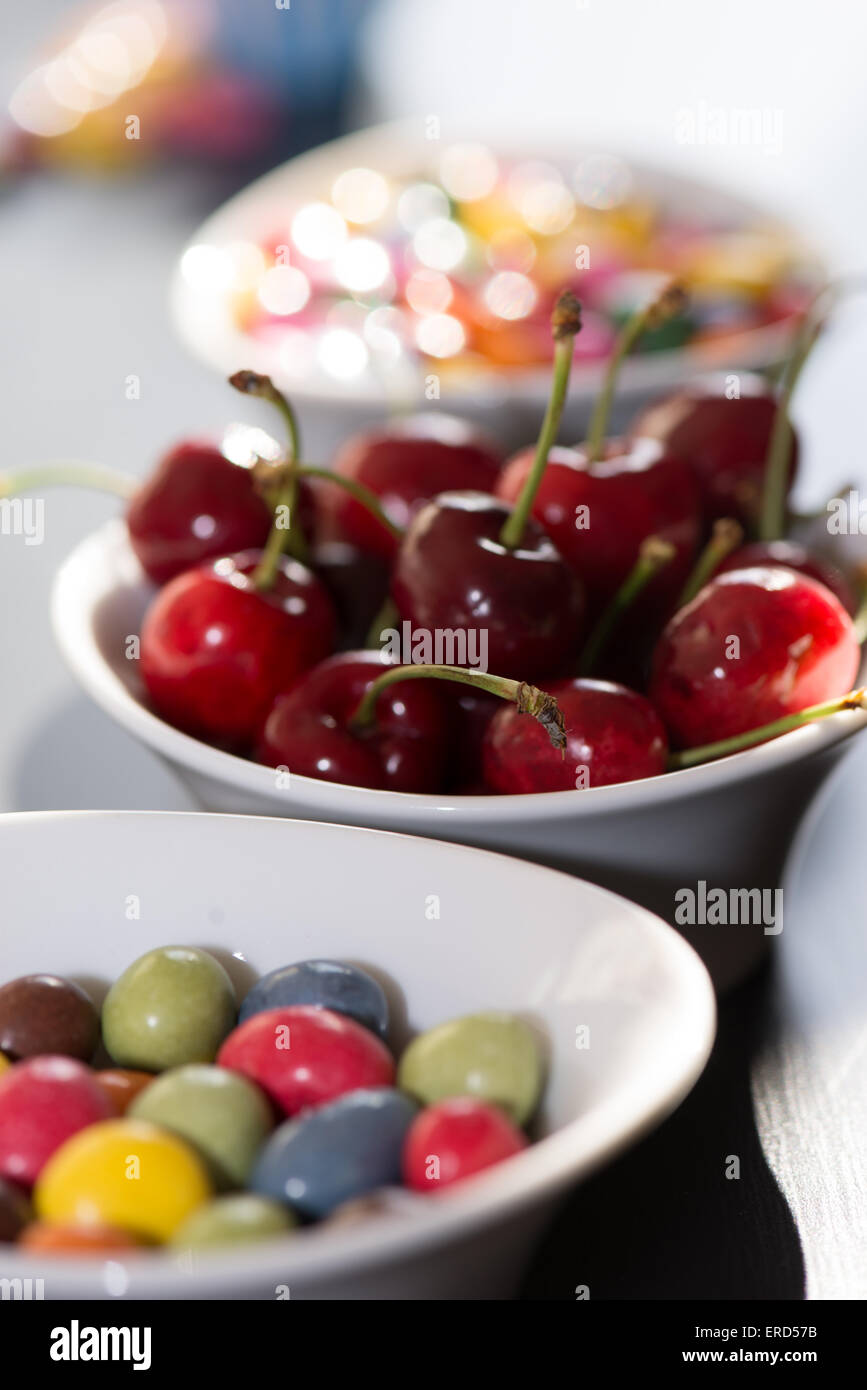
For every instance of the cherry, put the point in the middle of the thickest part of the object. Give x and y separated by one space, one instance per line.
754 646
794 557
724 438
599 502
470 562
216 647
405 465
362 720
612 735
307 728
357 582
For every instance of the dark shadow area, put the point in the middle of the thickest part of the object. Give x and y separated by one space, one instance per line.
664 1221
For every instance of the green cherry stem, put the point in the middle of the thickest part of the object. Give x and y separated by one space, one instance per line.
670 301
362 494
565 323
653 555
72 474
725 537
527 698
856 699
283 530
772 518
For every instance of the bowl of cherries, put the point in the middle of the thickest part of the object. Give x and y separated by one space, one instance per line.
612 657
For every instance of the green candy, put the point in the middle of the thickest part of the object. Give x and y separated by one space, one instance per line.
171 1006
225 1117
491 1056
235 1220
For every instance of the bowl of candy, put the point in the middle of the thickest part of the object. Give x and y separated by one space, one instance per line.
387 269
228 1071
614 658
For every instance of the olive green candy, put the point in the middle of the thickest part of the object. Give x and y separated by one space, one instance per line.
492 1056
221 1114
236 1220
174 1005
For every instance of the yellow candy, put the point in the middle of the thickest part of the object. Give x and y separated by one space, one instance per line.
5 1064
125 1173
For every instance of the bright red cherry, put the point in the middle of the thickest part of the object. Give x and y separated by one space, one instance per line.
215 649
597 514
453 572
406 464
612 735
455 1138
794 557
308 728
753 646
195 505
723 437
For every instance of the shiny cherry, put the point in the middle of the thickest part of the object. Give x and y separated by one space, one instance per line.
215 649
723 437
453 572
357 581
753 646
612 735
405 464
307 729
597 514
794 557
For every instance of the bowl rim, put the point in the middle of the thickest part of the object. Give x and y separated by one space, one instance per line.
213 337
539 1172
75 634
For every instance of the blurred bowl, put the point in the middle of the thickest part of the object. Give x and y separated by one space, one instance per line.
727 822
261 893
509 402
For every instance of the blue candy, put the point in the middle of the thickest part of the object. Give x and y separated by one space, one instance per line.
336 1152
328 984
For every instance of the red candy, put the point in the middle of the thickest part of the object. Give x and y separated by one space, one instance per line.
454 1139
303 1056
43 1101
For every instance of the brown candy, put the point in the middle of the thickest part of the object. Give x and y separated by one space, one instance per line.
44 1014
14 1211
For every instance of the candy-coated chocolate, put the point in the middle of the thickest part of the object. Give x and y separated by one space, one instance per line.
220 1114
44 1100
238 1219
76 1240
304 1056
14 1211
454 1139
491 1056
171 1006
122 1086
340 1151
125 1173
42 1013
328 984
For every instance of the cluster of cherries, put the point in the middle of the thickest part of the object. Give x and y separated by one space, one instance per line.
637 594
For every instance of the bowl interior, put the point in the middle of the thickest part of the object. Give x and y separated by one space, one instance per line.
448 930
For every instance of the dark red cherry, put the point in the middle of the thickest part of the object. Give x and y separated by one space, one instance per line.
215 649
612 735
358 584
452 571
752 646
406 464
794 557
196 504
723 437
471 713
404 750
598 514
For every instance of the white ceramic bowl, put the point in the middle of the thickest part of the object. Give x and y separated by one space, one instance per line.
509 403
727 822
510 935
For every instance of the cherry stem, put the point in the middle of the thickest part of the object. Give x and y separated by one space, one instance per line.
772 520
670 300
725 537
653 555
856 699
859 620
362 494
565 324
527 698
283 530
386 616
72 474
